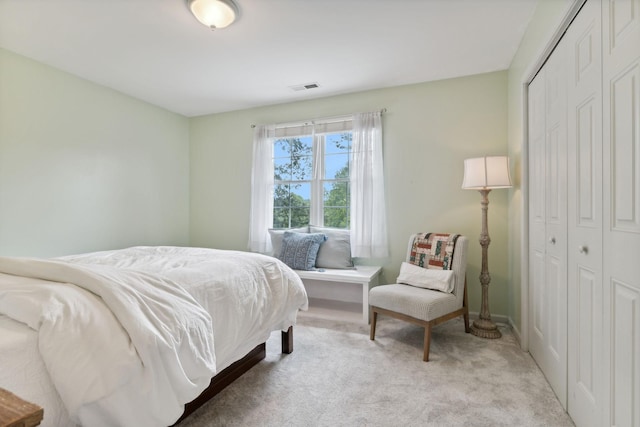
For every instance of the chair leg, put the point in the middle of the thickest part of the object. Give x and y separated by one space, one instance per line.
374 317
467 329
427 341
465 305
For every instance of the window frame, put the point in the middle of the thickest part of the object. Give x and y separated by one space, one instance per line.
318 174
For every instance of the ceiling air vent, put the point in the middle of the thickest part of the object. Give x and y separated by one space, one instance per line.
306 86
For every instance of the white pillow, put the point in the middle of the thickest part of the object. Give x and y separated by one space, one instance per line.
278 233
438 280
336 251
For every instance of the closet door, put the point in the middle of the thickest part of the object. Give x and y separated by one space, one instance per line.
548 227
556 220
584 251
621 170
537 227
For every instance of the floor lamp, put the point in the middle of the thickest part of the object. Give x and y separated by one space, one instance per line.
485 174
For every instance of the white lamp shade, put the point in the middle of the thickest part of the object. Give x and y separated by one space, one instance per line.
486 173
214 13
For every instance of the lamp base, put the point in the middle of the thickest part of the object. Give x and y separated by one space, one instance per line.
485 329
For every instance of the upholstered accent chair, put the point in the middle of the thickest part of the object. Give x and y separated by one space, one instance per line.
420 303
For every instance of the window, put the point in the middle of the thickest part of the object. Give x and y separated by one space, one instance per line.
302 195
326 173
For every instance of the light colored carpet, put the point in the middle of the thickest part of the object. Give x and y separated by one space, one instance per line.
336 376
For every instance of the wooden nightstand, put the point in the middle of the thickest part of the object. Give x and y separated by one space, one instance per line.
15 412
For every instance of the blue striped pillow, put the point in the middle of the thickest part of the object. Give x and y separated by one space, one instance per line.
299 250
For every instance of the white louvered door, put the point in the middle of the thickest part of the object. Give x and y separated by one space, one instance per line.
584 249
621 141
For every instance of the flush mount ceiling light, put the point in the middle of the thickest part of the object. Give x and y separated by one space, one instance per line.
214 13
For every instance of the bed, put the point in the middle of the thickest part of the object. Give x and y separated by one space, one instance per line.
128 337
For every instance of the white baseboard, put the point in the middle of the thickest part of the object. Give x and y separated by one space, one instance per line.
516 331
504 320
497 318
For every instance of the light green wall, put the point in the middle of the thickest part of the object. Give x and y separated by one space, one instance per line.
547 18
86 168
429 129
83 167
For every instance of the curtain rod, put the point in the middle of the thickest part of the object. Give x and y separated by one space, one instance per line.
381 111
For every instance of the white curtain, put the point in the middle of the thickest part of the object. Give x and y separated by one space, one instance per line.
368 218
261 189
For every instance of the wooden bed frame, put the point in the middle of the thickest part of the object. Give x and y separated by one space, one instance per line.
234 371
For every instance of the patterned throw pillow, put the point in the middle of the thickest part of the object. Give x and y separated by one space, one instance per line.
299 251
433 250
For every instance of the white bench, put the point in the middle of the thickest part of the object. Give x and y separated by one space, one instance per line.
363 275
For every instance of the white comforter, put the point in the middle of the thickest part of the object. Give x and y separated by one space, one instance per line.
124 344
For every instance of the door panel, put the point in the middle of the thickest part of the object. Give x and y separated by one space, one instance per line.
548 221
556 79
537 231
625 375
554 283
621 180
624 178
539 299
584 251
588 299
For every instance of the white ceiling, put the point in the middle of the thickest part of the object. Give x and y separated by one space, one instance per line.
155 50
